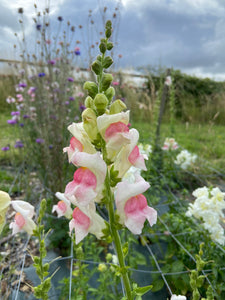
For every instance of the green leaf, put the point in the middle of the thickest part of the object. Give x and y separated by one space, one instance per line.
143 290
157 285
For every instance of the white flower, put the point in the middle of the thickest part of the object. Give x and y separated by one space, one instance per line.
185 159
208 206
179 297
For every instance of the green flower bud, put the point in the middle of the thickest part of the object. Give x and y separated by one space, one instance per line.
89 102
117 106
109 46
46 267
36 259
107 62
108 257
90 123
102 47
108 32
110 92
99 58
106 81
101 103
108 24
102 267
96 67
91 87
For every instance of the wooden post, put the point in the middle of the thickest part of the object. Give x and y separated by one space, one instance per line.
162 107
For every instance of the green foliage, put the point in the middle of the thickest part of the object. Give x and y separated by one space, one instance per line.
41 291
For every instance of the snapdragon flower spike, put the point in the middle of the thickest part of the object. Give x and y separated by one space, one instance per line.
79 142
88 182
132 206
130 155
115 131
23 218
63 207
86 220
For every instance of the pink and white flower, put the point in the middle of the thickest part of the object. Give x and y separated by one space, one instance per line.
88 181
115 131
23 218
63 207
130 155
86 220
79 142
170 144
132 206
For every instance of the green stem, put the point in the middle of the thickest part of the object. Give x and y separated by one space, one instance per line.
117 241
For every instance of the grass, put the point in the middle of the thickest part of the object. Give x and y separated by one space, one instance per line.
8 136
206 141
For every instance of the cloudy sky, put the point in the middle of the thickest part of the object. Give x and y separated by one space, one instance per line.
184 34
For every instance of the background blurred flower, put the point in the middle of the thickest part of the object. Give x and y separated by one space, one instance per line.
42 74
6 148
77 51
40 141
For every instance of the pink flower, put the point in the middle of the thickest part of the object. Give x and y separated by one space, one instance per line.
63 207
115 83
132 206
86 220
115 131
130 155
23 218
88 181
170 144
79 142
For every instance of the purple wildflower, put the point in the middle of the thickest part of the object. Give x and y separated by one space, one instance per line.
5 148
42 74
26 116
21 124
51 62
18 144
12 121
77 51
22 84
67 102
71 98
50 147
70 79
82 107
60 19
15 113
38 26
40 141
22 72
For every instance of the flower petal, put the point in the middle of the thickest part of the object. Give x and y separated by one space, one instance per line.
96 165
4 200
126 190
25 208
122 162
105 120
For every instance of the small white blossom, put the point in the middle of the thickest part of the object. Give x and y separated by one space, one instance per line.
184 159
209 206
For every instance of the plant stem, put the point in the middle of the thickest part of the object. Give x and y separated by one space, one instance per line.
117 241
